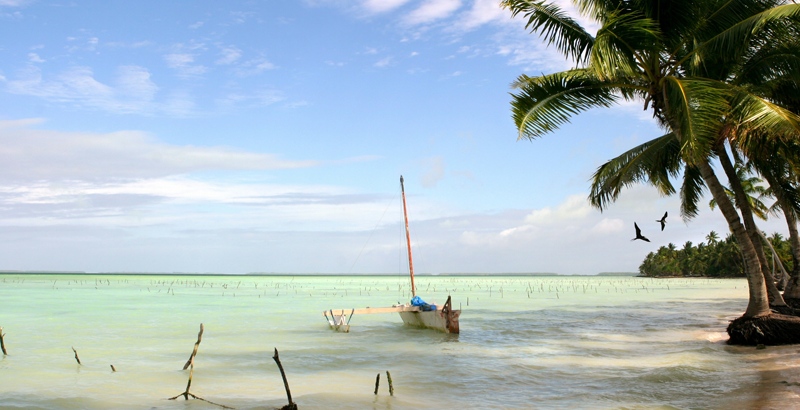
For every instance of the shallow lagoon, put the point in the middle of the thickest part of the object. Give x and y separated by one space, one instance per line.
545 342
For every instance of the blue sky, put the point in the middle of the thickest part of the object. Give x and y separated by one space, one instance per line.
269 136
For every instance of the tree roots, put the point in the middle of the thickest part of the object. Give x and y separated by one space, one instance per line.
772 329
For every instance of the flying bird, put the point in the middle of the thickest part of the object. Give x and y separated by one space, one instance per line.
663 221
639 234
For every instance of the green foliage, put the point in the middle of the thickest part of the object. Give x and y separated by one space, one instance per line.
753 189
712 259
554 25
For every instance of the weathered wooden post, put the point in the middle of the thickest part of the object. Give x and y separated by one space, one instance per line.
389 378
196 346
2 343
291 405
76 355
190 364
377 382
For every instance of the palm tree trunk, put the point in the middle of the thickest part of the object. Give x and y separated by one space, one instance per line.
792 290
758 304
793 287
775 297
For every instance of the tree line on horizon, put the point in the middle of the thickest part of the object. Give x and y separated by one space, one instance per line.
715 258
722 79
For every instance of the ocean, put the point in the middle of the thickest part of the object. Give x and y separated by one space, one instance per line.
526 342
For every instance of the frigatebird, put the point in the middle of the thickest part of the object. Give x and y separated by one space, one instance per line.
639 234
663 221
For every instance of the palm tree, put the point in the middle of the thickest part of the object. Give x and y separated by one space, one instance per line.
655 51
753 191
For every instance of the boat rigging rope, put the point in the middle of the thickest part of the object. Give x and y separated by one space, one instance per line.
373 232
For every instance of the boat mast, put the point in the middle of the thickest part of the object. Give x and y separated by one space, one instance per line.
408 238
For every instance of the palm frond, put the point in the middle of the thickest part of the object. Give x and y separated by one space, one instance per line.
554 25
653 162
617 43
691 192
776 57
545 103
727 31
756 116
697 106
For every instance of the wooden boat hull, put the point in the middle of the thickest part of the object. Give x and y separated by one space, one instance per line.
440 320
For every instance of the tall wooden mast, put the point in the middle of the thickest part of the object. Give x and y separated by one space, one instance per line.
408 239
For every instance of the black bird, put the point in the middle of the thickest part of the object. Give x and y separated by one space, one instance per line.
639 234
663 221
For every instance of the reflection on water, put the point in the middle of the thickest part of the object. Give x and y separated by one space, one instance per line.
526 342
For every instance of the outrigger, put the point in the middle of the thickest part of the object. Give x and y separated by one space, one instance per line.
416 313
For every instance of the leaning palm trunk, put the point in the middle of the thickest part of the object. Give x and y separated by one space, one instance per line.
793 286
792 290
758 304
775 297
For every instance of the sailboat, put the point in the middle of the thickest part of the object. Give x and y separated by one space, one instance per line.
416 313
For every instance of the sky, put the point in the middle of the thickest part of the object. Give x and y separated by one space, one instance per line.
269 136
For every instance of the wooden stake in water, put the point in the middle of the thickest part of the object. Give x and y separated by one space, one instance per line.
194 352
377 382
2 343
186 393
76 355
291 405
391 388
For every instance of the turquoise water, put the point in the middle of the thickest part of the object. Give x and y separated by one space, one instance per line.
526 342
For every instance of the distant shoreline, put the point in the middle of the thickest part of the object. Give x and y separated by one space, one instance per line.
693 277
76 273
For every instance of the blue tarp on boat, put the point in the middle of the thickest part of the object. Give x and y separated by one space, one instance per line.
417 301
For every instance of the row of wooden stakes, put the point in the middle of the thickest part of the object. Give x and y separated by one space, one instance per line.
190 365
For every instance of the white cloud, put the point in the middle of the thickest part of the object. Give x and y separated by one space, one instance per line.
454 223
254 67
179 104
229 55
575 207
197 25
432 10
434 171
182 62
134 82
27 122
608 225
240 17
257 98
134 91
30 154
383 63
297 104
382 6
413 53
74 84
14 3
34 58
483 12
